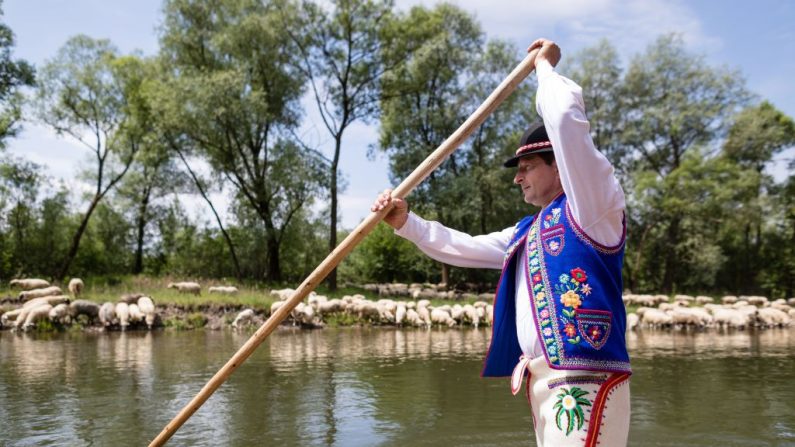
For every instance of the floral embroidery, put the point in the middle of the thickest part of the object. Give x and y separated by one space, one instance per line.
552 219
569 404
571 299
554 245
579 275
570 286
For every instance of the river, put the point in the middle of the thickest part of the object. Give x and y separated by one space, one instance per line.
372 387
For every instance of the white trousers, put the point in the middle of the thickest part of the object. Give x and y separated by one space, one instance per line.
574 407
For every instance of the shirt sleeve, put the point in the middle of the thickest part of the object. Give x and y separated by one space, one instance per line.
455 247
594 195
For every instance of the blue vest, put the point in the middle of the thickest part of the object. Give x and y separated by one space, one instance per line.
575 294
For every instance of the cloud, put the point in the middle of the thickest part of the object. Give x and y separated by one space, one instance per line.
630 25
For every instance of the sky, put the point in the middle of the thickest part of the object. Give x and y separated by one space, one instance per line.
757 39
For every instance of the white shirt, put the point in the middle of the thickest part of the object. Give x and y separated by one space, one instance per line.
592 191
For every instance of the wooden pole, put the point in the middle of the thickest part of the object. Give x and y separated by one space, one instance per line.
335 257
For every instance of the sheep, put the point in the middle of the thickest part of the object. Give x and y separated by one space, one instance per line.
684 317
654 317
276 305
130 298
123 314
83 307
632 321
76 287
60 314
442 317
771 317
107 314
29 284
41 312
224 290
791 301
136 316
422 311
245 317
413 318
283 294
490 313
702 300
758 301
729 299
147 306
400 314
730 318
36 293
471 315
51 300
186 287
8 317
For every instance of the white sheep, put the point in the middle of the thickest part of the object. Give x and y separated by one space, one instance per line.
123 314
729 299
654 317
245 317
136 316
29 284
729 317
36 293
52 300
147 306
107 314
60 314
441 316
41 312
413 318
283 294
400 314
632 321
186 287
76 287
8 317
471 315
771 317
224 290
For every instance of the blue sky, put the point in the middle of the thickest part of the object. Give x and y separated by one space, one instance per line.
758 39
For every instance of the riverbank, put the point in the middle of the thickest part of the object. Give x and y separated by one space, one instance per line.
215 305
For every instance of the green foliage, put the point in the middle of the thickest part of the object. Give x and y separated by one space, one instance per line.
15 74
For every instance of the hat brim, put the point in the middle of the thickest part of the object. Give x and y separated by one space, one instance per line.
514 161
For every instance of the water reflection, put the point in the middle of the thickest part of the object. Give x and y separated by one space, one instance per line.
372 386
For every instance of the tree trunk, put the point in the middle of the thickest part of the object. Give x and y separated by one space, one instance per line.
670 258
274 269
332 237
70 256
446 275
215 213
139 249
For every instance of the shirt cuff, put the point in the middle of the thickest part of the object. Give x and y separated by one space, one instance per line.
543 69
414 229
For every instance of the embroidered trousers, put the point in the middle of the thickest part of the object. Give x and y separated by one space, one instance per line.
575 408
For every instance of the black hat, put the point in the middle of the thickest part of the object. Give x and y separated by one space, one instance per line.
534 141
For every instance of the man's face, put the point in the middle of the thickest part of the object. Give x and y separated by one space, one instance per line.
539 181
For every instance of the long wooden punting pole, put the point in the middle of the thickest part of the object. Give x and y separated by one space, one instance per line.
335 257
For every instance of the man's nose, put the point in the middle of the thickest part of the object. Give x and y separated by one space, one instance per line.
517 179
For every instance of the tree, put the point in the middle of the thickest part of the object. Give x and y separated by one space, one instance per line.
757 134
232 96
340 53
673 102
14 75
83 96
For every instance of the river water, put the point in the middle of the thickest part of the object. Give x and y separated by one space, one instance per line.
372 387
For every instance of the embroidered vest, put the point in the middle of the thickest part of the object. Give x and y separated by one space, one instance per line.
575 292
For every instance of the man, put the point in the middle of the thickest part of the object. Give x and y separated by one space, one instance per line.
558 315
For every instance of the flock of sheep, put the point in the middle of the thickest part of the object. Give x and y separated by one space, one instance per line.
658 311
44 302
